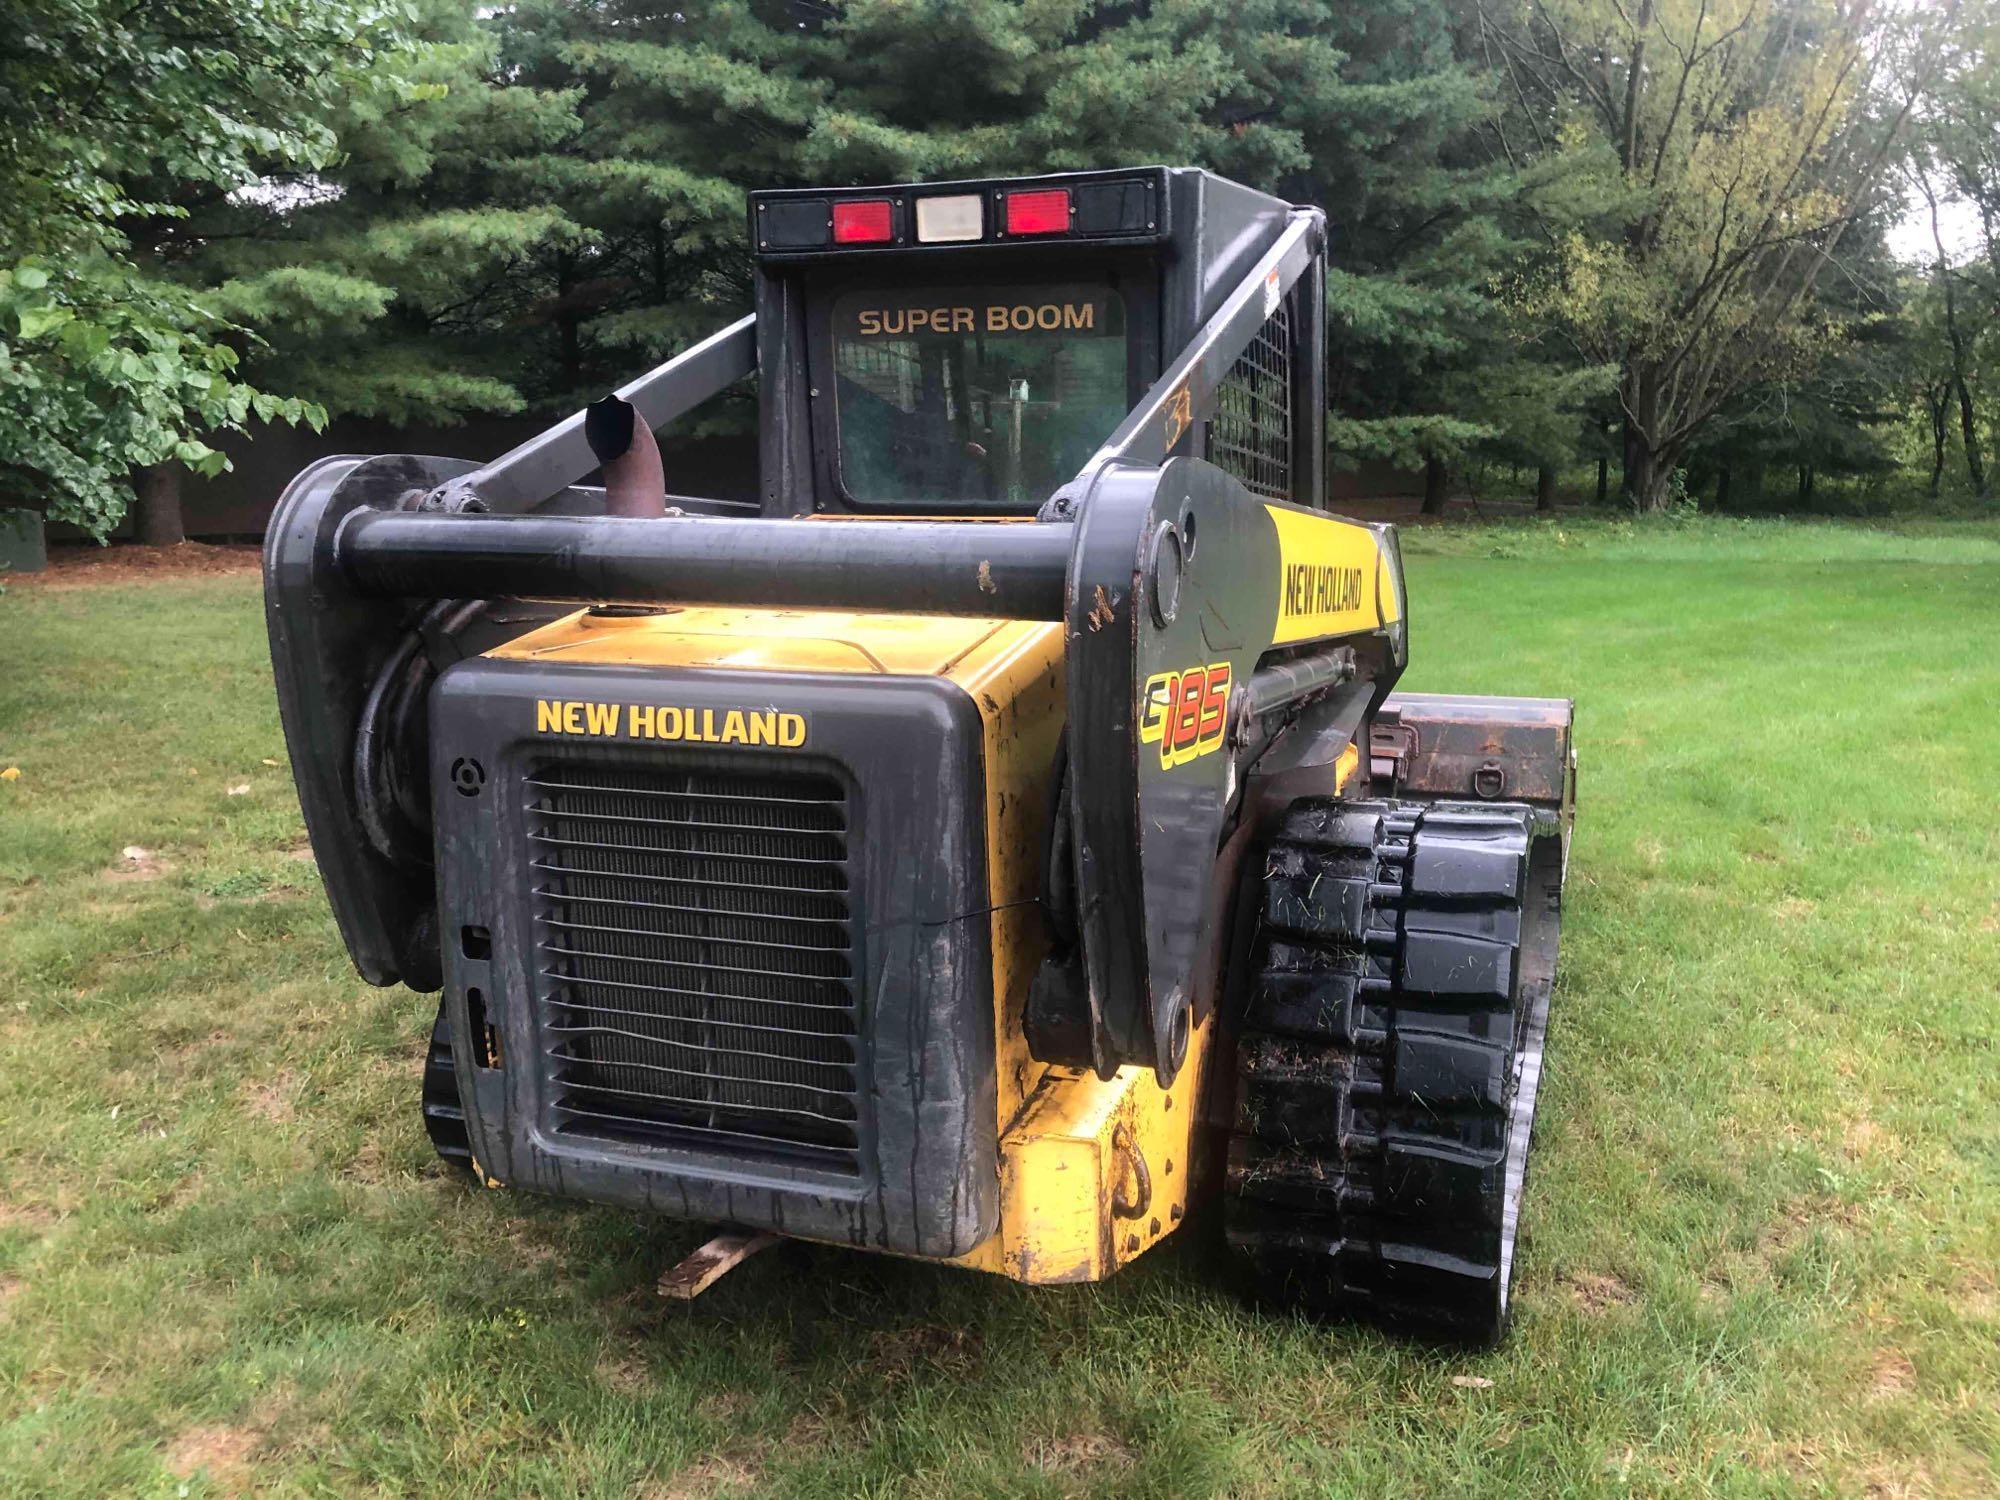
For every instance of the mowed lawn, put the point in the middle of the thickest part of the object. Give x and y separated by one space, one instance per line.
1762 1230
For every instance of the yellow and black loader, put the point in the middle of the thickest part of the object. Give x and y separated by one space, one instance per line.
952 851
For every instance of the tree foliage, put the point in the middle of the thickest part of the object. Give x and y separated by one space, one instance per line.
1363 109
401 279
1545 213
1727 148
1955 166
113 115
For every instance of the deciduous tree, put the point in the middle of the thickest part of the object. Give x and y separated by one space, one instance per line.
1732 145
1954 169
112 114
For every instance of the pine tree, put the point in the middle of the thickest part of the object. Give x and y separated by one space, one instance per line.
396 281
1363 110
1432 364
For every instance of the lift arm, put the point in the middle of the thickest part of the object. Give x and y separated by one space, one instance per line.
550 462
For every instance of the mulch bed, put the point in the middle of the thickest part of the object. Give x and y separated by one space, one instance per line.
85 563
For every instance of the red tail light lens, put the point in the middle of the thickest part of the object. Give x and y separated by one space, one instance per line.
1043 211
864 221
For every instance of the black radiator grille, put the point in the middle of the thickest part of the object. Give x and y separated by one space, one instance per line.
695 931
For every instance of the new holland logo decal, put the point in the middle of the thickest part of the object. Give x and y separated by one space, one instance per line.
1185 712
694 726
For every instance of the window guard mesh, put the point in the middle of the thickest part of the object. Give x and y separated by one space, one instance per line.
1250 435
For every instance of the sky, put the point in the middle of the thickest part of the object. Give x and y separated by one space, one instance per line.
1909 238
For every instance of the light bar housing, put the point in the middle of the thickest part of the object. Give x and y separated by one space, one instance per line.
1127 206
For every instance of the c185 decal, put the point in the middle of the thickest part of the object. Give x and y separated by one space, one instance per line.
1185 712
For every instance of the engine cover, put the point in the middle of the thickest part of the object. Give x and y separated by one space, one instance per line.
717 944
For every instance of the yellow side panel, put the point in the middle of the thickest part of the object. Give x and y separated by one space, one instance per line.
1330 578
1017 682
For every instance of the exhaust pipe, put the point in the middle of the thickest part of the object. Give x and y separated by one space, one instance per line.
635 482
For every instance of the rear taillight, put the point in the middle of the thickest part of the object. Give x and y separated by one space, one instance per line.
1042 211
863 221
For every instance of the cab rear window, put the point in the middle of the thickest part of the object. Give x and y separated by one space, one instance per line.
975 395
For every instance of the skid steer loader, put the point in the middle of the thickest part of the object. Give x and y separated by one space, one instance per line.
950 852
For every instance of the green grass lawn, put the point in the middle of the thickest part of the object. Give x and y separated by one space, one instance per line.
1762 1232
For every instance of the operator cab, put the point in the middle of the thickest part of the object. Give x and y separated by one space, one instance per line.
977 396
967 347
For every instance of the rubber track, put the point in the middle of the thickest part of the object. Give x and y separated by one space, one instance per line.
1388 1059
444 1116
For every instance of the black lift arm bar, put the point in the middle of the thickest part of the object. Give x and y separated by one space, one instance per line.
1012 571
1008 570
550 462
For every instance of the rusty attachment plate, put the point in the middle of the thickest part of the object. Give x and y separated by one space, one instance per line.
1491 749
